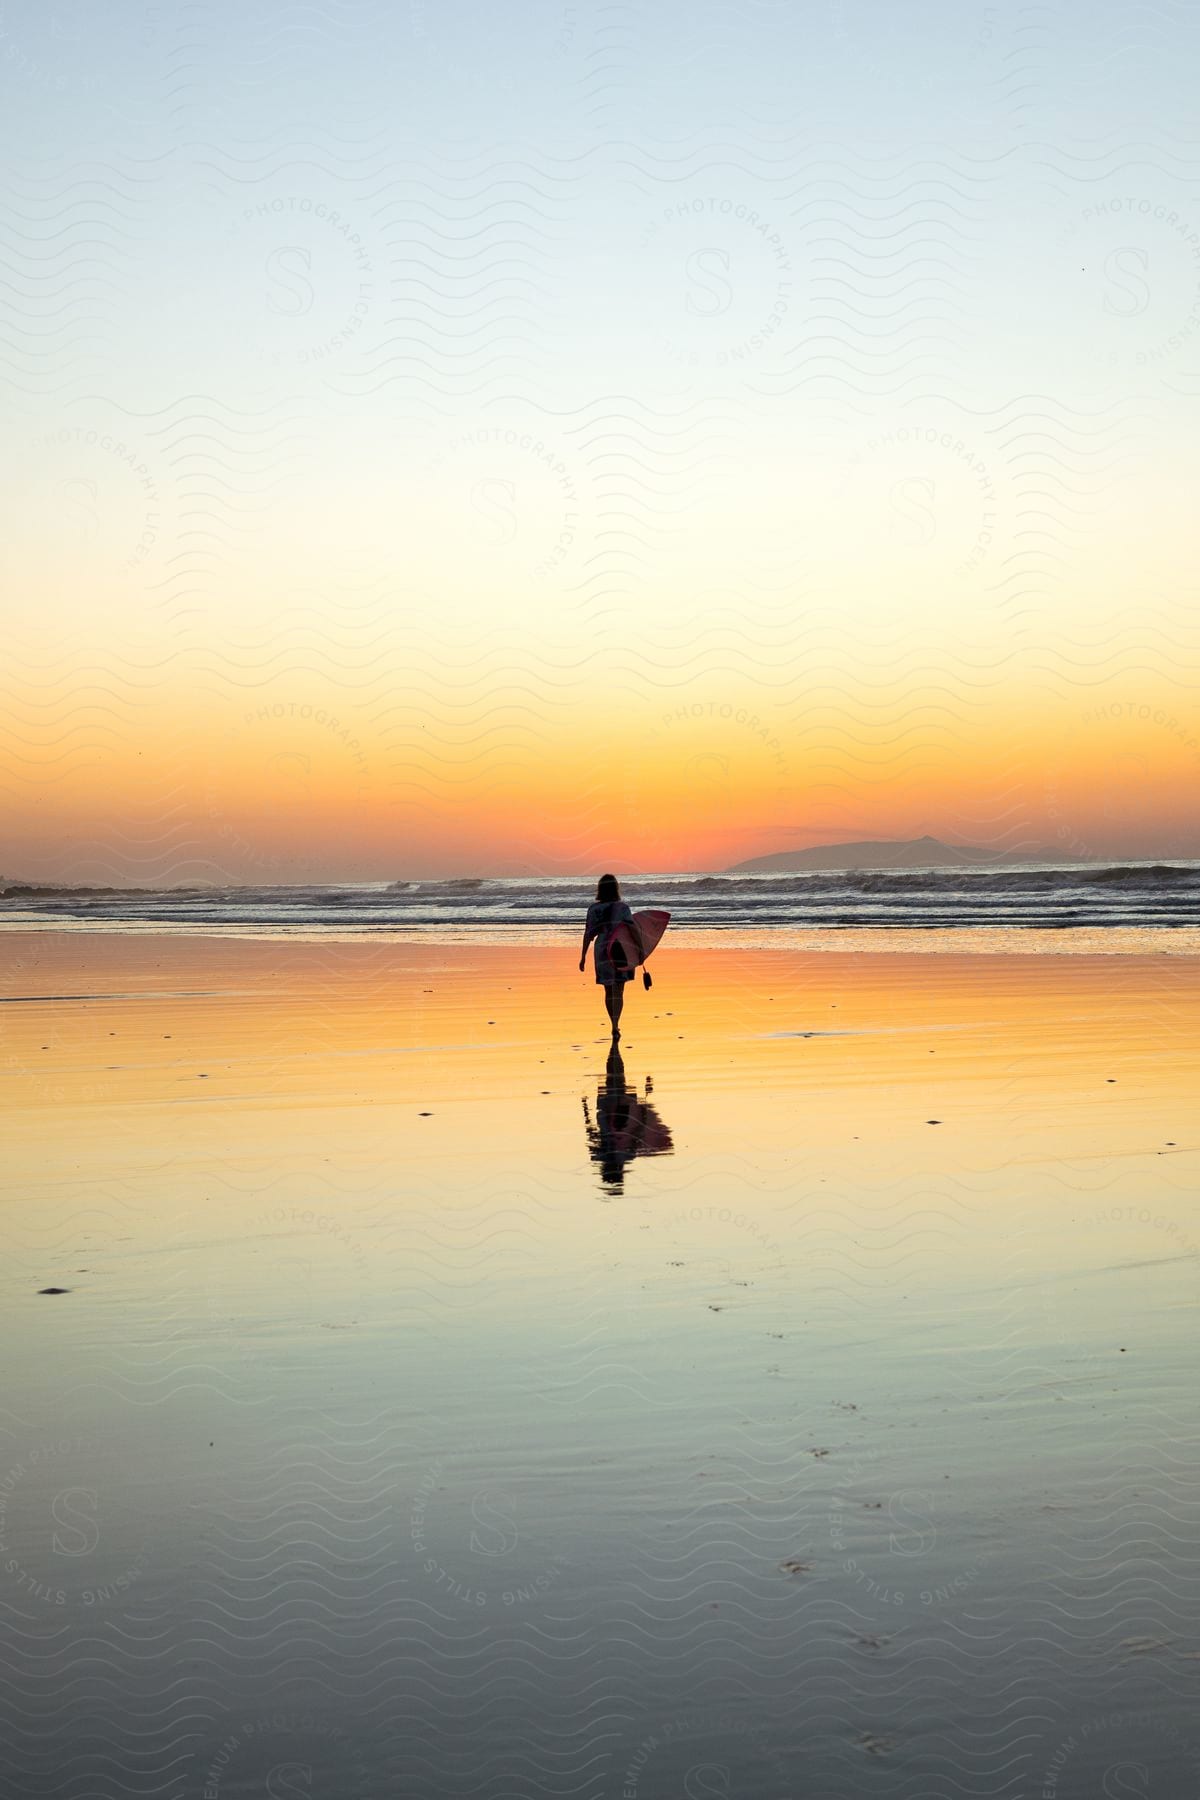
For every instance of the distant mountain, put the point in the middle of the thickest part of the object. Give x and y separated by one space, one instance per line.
889 853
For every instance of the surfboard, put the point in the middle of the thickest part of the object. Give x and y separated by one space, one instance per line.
651 924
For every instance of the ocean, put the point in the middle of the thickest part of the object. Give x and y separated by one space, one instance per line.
542 909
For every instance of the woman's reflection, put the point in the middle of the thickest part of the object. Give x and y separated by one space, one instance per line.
625 1126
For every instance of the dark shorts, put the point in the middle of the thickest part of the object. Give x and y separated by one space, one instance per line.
610 974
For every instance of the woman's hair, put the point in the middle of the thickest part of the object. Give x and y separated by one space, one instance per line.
607 889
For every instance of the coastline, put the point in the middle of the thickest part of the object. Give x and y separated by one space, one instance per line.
890 940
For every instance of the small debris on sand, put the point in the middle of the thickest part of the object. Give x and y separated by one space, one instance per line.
874 1744
54 1290
794 1566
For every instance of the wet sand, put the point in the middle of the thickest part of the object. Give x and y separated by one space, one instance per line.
805 1406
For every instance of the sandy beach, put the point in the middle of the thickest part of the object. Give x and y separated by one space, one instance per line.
440 1408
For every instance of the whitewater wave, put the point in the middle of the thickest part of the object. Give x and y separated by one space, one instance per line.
1038 896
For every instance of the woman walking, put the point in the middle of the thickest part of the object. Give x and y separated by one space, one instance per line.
606 912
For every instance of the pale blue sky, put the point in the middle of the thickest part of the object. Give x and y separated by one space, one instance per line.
875 314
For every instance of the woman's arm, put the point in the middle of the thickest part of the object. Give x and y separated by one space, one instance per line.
589 932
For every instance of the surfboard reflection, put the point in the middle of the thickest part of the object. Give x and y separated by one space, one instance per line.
625 1126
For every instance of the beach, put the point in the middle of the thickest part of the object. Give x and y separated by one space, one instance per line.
804 1404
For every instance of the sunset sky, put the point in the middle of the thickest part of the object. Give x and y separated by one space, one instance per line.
439 444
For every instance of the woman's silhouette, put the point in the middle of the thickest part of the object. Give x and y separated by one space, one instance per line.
606 912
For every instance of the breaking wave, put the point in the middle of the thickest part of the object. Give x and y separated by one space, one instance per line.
1038 896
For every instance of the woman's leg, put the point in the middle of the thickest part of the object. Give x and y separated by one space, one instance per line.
617 990
608 1002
